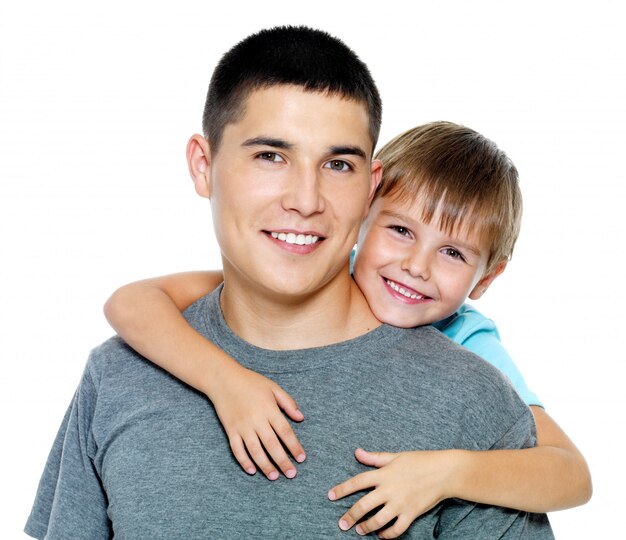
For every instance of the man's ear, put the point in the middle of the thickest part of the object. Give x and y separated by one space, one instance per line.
482 286
199 163
376 174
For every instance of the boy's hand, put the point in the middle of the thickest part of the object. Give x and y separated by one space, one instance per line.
249 407
405 485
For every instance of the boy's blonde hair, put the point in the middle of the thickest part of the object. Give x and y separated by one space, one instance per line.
462 179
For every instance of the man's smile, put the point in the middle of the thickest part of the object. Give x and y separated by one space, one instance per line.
300 239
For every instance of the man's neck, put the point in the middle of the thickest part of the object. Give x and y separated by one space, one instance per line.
338 312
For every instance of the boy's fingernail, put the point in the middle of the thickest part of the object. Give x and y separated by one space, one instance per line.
301 458
290 473
250 470
331 495
273 475
359 530
343 525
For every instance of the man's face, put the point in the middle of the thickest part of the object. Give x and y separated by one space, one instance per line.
289 186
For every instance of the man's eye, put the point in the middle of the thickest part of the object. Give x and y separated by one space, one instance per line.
270 156
338 165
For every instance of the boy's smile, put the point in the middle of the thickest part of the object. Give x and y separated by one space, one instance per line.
411 272
404 293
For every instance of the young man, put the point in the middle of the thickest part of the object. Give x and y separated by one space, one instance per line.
291 122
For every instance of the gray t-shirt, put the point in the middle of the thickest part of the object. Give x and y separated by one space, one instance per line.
142 455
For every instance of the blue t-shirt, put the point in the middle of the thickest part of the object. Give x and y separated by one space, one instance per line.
471 329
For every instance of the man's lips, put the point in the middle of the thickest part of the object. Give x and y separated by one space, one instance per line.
301 242
405 292
300 239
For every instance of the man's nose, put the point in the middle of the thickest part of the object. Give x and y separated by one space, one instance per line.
303 194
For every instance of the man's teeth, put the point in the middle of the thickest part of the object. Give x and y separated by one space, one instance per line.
403 291
299 239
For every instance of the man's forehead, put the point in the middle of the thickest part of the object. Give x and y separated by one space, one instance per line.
294 114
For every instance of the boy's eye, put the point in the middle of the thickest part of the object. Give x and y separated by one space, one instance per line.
270 156
453 253
338 165
403 231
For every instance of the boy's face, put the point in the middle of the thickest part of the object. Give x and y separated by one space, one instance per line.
289 186
412 273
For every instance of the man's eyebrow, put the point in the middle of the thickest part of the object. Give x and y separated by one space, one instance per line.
268 141
348 150
284 145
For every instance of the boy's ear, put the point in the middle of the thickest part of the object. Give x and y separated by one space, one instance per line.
482 286
376 174
199 163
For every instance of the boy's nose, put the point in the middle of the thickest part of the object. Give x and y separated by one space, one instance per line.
417 264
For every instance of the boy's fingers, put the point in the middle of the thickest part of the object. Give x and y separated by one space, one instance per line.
288 405
356 483
239 451
374 459
276 451
376 522
364 505
401 525
288 437
258 455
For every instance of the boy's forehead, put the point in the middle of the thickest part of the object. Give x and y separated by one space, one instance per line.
413 210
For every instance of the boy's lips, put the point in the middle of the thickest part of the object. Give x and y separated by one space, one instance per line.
406 293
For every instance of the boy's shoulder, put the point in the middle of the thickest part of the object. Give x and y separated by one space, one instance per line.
465 322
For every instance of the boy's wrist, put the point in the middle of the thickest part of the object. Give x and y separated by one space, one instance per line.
460 464
218 375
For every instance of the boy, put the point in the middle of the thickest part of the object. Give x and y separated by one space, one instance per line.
441 228
291 122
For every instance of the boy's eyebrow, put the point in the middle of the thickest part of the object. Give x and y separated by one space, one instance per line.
460 243
268 141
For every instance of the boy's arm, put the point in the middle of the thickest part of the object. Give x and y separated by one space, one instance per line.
147 315
552 476
405 485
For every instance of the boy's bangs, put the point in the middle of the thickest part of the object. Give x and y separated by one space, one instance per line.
455 213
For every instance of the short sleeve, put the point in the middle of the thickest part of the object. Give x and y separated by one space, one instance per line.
70 500
477 333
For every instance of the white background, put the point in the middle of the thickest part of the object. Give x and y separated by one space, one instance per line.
98 101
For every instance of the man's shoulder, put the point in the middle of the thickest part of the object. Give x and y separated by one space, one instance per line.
429 343
112 356
488 403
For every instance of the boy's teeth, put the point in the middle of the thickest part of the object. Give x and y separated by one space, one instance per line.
403 291
299 239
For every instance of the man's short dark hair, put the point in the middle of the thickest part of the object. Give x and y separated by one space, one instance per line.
295 55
